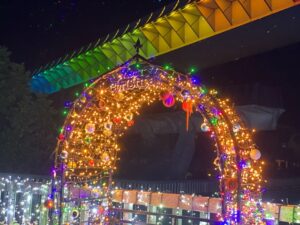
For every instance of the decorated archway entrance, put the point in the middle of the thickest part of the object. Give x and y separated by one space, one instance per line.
88 144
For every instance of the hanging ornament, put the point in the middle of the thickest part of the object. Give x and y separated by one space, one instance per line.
255 154
205 127
214 121
185 94
236 127
105 157
107 133
72 165
168 100
49 204
231 184
101 105
90 128
91 162
75 213
61 137
64 154
108 125
130 123
83 99
117 120
187 106
119 96
129 117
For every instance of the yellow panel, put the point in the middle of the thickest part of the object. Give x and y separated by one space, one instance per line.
221 22
239 15
280 4
259 8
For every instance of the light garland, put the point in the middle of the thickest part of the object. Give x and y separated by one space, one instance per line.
106 109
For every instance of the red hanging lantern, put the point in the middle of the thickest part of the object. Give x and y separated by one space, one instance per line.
49 204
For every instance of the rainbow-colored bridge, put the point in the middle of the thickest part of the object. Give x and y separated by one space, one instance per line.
175 26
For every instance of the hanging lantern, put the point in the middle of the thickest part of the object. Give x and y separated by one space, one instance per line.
90 128
255 154
187 106
204 127
231 184
49 204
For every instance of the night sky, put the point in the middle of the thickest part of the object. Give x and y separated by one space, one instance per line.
39 31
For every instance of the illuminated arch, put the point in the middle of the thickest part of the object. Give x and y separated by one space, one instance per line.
104 111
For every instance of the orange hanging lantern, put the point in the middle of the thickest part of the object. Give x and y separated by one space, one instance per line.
187 106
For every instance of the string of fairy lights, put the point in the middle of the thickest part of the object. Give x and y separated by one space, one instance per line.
88 144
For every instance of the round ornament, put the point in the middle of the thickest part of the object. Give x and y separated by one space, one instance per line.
168 100
75 213
255 154
91 162
64 154
107 133
236 127
108 125
90 128
61 137
117 120
204 127
105 157
231 184
49 204
130 123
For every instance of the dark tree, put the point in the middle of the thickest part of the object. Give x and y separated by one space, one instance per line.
28 122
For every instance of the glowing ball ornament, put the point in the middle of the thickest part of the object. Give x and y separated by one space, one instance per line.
105 157
61 137
231 184
117 120
90 128
187 106
107 133
64 154
108 125
236 127
49 204
168 99
130 123
255 154
204 127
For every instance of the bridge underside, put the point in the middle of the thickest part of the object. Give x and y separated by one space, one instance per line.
176 33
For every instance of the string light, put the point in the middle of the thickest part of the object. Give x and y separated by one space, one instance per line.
106 109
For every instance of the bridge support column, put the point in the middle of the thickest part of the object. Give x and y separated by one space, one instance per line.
127 216
151 219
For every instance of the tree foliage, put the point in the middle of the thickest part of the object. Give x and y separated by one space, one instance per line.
27 122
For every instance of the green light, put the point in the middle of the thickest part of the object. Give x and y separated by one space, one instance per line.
60 130
65 112
108 68
193 70
167 67
137 65
86 84
77 94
